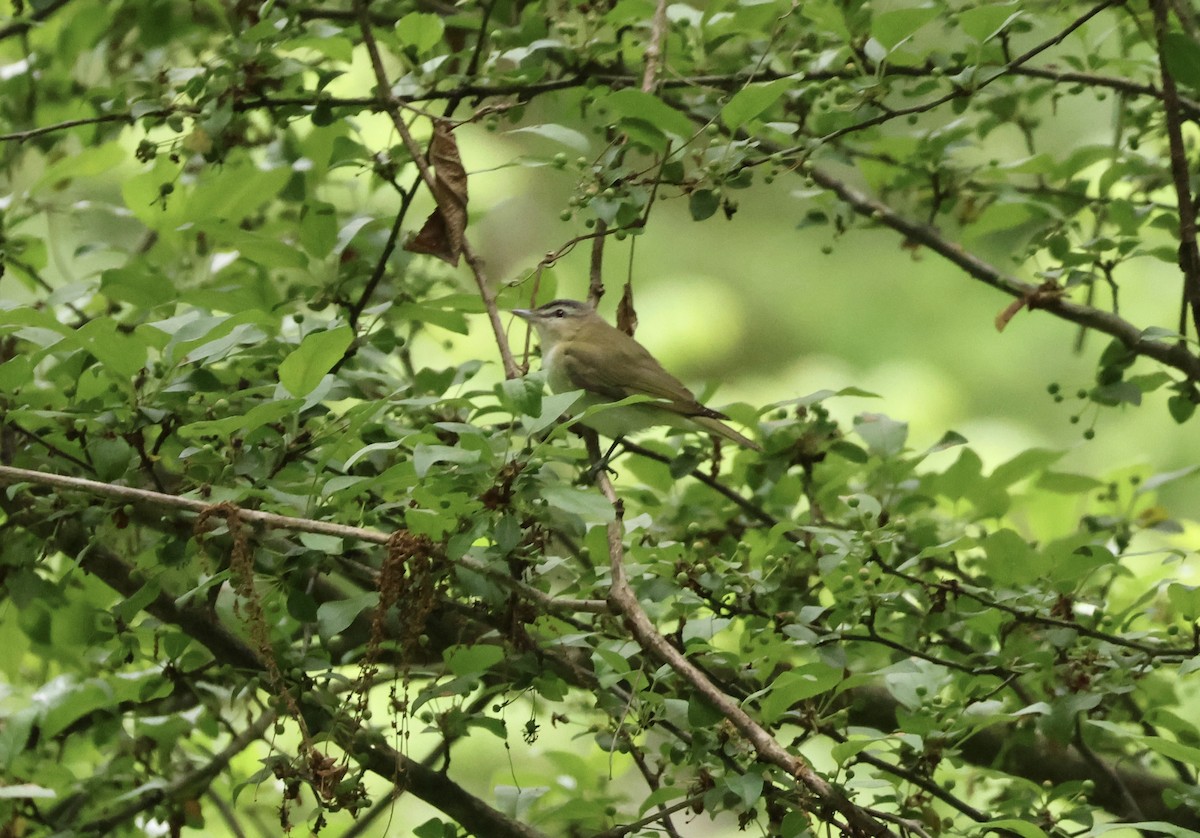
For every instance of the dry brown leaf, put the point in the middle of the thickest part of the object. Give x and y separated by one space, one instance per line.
444 229
627 320
1010 311
1037 298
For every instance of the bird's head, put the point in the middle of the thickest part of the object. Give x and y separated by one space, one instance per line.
559 319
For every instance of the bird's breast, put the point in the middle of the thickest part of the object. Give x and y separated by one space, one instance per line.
556 370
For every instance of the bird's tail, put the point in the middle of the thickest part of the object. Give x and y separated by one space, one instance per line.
718 427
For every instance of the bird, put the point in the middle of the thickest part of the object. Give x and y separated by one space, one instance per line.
581 351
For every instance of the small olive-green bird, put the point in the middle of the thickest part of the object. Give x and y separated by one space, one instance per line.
580 351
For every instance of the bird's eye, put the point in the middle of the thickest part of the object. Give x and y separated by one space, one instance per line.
559 312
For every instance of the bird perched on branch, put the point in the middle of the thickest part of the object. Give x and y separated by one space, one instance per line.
581 351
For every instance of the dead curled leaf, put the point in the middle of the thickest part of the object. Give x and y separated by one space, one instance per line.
1034 299
444 229
627 319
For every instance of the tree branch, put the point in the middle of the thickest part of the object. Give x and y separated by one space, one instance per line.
961 92
194 782
26 23
367 748
392 106
1171 354
654 49
1189 254
624 601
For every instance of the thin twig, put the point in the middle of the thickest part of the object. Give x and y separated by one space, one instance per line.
596 265
406 197
1132 810
392 105
961 92
662 814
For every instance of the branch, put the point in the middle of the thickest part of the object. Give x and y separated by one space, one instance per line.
1189 254
9 474
961 92
624 602
654 50
25 24
1171 354
368 748
193 782
392 105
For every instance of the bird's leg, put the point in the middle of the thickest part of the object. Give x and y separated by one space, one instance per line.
602 464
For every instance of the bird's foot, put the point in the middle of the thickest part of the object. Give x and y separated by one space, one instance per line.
590 473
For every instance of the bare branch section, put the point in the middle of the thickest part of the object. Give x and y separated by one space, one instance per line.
655 49
1171 354
9 474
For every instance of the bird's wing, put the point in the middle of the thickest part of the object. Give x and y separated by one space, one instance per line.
623 367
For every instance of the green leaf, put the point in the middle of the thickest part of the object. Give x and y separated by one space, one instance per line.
255 418
318 229
1182 55
1181 407
83 163
884 437
588 504
827 16
703 203
122 353
15 373
29 791
1025 829
748 787
138 284
1064 483
1185 599
420 30
464 661
63 700
1187 754
335 616
435 828
302 370
426 456
631 104
1010 560
232 193
450 319
516 802
892 28
111 457
1027 463
751 101
575 140
983 21
551 409
795 685
1157 481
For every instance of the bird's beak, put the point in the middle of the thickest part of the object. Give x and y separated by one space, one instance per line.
523 313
